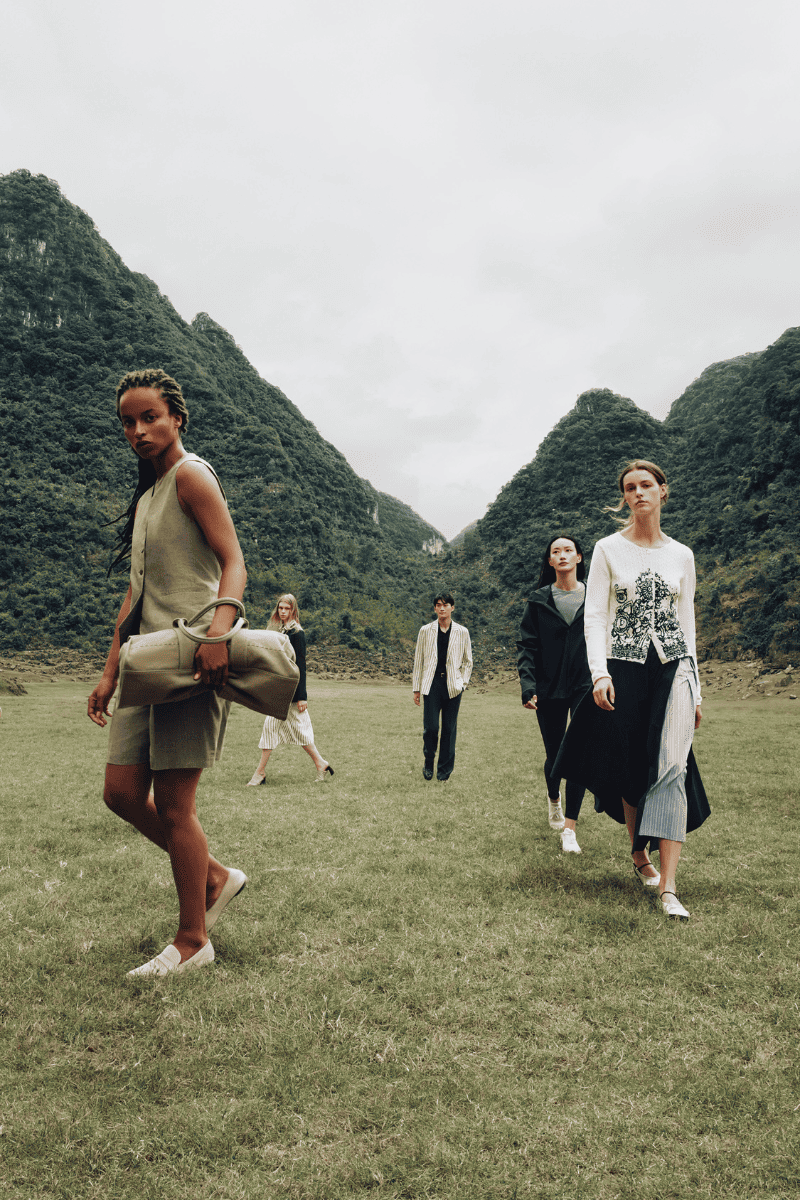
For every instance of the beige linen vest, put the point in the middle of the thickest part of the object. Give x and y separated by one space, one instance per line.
171 561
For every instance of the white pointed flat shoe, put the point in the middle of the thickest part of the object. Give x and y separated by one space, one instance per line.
231 888
168 962
673 907
645 880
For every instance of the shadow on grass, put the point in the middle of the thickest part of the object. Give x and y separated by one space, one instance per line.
560 876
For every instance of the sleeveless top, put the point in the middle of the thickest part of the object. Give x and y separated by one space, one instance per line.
173 568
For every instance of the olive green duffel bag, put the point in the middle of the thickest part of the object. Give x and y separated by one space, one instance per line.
159 668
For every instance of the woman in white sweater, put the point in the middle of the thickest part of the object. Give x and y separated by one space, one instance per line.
632 746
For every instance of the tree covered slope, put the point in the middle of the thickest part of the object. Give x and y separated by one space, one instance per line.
730 446
74 319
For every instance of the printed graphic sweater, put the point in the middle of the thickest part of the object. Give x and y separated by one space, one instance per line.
635 596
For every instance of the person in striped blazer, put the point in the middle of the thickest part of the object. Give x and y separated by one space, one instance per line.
442 667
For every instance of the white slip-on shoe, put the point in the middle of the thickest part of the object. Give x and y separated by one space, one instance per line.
646 880
231 888
555 813
168 962
673 907
257 780
569 842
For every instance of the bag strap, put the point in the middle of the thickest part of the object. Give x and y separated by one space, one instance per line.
241 622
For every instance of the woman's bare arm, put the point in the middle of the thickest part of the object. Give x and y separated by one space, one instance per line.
200 497
101 696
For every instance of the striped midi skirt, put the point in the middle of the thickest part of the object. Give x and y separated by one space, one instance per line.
664 806
296 730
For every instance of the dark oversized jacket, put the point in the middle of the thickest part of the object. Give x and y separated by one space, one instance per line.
551 655
298 640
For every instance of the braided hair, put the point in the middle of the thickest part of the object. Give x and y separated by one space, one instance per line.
170 390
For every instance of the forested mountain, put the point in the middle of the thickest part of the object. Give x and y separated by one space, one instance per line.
73 319
462 533
731 449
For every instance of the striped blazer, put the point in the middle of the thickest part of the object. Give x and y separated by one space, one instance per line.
459 659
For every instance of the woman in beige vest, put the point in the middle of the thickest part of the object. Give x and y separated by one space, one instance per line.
184 553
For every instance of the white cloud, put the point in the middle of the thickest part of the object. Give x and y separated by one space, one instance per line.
433 225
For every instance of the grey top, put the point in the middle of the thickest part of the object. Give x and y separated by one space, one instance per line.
568 603
170 557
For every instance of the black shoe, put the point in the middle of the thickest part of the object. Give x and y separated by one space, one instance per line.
427 772
442 778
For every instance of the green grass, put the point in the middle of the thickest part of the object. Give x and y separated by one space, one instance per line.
417 995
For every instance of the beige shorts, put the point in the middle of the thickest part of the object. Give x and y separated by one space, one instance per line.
187 735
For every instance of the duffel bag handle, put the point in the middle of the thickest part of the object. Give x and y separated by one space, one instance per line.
241 622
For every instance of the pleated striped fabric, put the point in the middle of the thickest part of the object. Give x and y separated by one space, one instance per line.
664 812
294 731
459 659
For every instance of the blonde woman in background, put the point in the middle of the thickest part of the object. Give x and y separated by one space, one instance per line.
296 729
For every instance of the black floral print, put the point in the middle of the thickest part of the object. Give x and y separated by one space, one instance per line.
652 613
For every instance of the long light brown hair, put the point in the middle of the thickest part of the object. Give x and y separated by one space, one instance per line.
275 622
636 464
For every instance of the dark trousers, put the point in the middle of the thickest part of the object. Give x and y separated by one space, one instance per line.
552 717
437 701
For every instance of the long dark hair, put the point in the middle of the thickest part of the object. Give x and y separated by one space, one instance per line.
170 391
548 573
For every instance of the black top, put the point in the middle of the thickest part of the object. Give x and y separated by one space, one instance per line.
298 640
442 642
551 654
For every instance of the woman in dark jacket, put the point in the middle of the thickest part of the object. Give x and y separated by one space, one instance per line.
553 670
296 729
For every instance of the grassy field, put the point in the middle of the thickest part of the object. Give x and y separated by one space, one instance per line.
417 995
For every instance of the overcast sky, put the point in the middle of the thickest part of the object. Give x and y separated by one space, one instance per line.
434 223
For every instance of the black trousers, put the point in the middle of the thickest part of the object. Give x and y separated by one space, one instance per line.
436 703
552 717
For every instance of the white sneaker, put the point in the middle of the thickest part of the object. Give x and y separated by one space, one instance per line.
555 813
569 842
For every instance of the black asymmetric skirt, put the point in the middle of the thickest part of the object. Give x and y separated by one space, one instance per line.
615 754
